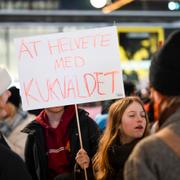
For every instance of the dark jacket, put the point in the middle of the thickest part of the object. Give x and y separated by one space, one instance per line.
35 150
117 156
3 141
11 165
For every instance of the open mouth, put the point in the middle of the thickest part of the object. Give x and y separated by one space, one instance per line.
140 127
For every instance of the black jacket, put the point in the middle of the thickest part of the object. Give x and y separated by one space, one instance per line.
35 150
117 156
11 165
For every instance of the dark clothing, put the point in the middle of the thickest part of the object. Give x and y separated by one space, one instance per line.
118 154
3 141
11 165
36 148
106 105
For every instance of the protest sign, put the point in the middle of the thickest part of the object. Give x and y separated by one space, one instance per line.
69 68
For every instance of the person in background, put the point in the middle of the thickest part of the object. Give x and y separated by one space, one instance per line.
127 124
53 149
5 81
101 119
11 114
157 157
13 121
11 165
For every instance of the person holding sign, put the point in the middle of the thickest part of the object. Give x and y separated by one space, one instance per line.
127 124
11 165
62 69
53 148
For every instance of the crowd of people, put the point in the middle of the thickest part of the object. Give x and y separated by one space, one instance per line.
139 139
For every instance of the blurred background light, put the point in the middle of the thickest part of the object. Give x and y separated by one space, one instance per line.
173 5
98 3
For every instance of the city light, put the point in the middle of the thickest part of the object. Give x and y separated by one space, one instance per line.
173 5
98 3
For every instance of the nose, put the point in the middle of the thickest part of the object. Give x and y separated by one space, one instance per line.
140 118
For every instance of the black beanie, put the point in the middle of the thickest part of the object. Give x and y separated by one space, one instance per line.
165 67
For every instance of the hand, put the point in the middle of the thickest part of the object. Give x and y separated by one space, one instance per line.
82 159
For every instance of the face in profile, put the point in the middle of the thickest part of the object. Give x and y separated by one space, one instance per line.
3 104
133 122
4 97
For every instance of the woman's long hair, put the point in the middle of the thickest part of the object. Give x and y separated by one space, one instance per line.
101 166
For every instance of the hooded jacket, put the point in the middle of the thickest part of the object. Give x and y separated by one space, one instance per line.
36 149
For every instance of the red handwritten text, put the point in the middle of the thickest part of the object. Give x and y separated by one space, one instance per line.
29 49
71 44
88 85
69 62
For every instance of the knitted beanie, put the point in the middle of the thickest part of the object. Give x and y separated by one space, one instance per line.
5 80
165 67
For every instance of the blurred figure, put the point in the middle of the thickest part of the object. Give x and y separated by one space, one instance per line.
129 88
13 120
144 94
157 157
11 114
101 119
53 148
5 81
11 165
127 124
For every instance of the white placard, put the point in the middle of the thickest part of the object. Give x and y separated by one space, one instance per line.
69 68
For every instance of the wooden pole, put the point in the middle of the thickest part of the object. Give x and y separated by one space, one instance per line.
80 136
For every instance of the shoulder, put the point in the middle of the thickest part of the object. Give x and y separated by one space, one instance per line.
33 125
147 148
148 143
101 118
101 121
142 159
84 116
82 112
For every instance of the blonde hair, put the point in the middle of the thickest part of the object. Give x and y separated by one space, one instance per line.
101 166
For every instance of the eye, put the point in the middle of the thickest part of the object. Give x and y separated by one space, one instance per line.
143 115
131 115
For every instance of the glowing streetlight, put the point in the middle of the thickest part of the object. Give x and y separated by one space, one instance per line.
98 3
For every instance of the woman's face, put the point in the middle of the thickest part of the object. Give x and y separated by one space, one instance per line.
133 123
